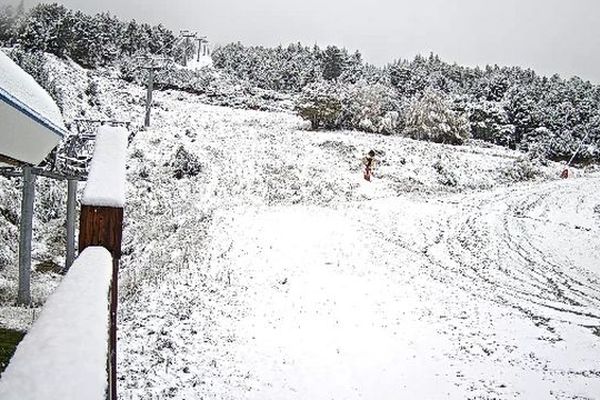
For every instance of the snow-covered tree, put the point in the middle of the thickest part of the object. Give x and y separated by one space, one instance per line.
431 118
373 108
47 27
489 122
7 24
334 62
321 103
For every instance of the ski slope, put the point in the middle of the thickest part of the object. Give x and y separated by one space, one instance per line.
271 271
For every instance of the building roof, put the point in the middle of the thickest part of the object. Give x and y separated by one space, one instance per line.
23 99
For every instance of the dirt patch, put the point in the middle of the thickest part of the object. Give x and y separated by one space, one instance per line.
8 344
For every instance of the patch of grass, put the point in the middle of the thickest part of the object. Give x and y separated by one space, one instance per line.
8 343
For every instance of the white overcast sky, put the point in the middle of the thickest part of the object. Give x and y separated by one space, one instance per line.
550 36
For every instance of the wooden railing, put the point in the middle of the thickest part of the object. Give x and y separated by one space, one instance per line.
70 353
63 354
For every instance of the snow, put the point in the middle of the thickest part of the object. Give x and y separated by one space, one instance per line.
21 87
64 354
198 63
277 272
257 263
106 181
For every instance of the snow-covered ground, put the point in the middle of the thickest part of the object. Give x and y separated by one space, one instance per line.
258 264
271 271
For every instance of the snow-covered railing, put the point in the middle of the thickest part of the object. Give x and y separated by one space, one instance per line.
106 180
70 352
63 356
101 219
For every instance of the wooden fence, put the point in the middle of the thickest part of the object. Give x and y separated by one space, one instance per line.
70 353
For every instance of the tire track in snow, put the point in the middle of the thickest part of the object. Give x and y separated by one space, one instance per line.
494 251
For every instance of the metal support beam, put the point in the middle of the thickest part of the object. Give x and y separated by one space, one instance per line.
25 234
71 202
149 96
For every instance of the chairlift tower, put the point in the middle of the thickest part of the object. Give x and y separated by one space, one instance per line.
152 64
188 36
202 47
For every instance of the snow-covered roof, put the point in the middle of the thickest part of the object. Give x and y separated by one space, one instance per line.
64 354
30 121
106 182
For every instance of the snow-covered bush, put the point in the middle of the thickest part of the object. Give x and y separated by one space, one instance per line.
361 106
373 108
431 118
185 164
443 166
523 169
321 103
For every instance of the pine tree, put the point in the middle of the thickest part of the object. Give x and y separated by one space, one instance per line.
7 22
47 27
489 122
333 62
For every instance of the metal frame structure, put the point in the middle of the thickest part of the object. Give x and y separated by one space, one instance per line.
68 163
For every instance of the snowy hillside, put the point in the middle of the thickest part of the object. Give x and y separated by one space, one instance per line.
271 270
259 264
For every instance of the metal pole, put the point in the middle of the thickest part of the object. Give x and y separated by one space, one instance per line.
149 96
71 200
25 233
185 52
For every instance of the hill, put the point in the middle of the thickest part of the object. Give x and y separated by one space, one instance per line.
258 263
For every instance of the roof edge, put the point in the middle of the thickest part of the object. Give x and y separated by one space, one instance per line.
31 113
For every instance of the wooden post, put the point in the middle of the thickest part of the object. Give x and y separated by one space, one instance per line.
101 221
71 200
103 226
149 96
25 233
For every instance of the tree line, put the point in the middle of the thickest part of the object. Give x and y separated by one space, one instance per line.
427 97
90 40
424 98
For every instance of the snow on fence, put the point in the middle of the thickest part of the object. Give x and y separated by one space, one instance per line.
63 356
101 219
106 181
66 353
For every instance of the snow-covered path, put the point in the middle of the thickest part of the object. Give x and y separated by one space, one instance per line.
275 273
390 298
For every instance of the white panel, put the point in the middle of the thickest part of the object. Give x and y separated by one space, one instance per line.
22 138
